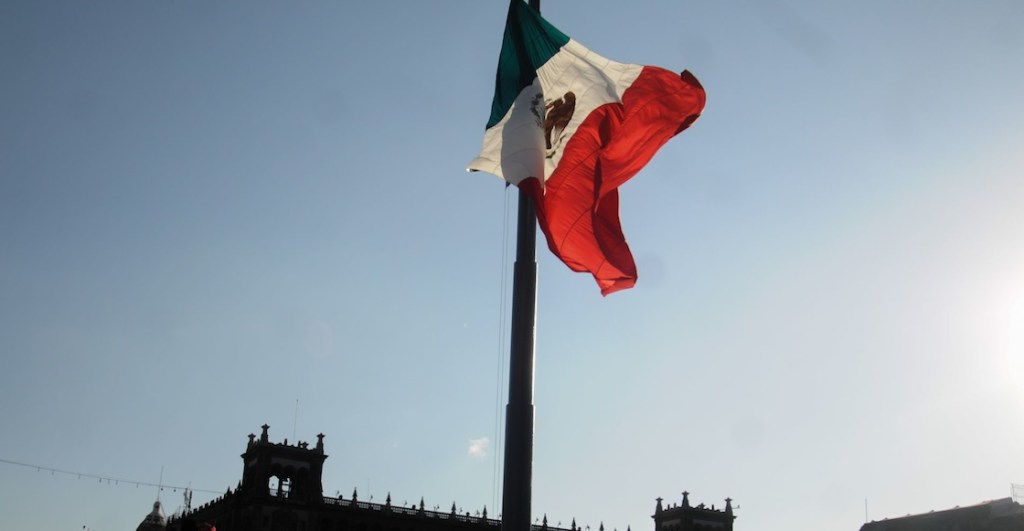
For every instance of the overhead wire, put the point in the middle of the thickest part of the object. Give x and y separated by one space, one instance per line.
101 478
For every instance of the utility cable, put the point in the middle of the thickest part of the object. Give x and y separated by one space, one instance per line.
108 479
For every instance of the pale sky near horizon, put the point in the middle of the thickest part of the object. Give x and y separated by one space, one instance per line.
211 210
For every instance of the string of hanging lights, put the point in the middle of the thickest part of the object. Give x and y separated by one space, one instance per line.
105 479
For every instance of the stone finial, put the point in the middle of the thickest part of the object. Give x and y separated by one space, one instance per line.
657 507
320 441
265 437
485 512
686 499
728 506
544 522
601 527
355 495
423 506
573 526
252 439
453 507
387 502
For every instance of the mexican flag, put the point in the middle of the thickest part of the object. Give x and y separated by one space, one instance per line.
569 127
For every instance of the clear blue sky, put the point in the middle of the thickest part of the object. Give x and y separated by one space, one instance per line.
210 210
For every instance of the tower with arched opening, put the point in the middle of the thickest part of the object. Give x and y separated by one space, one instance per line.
281 470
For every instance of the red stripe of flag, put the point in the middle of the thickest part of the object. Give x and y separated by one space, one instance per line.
578 208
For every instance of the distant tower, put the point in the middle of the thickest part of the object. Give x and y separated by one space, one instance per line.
281 470
155 520
683 517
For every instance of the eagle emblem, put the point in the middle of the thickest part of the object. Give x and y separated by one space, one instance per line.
557 115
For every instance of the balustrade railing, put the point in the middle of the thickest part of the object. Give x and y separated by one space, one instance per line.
440 515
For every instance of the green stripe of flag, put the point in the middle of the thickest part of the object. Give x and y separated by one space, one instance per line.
529 42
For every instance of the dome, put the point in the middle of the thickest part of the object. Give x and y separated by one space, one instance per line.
155 520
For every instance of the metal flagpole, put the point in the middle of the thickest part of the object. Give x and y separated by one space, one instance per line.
518 469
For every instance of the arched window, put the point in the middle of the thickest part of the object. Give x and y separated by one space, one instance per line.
280 487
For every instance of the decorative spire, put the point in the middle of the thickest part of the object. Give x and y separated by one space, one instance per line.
266 436
728 506
422 507
252 439
544 523
453 507
573 526
657 508
601 527
686 499
155 520
387 502
485 512
320 441
355 495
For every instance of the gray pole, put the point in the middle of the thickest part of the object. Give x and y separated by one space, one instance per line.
518 470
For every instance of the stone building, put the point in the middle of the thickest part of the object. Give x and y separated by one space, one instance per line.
996 515
281 490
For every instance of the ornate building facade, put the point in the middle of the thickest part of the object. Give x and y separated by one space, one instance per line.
281 490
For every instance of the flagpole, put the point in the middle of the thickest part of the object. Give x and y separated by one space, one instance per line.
519 414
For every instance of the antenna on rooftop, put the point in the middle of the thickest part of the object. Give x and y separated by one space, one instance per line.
160 484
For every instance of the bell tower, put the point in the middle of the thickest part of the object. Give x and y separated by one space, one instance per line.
283 471
684 517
